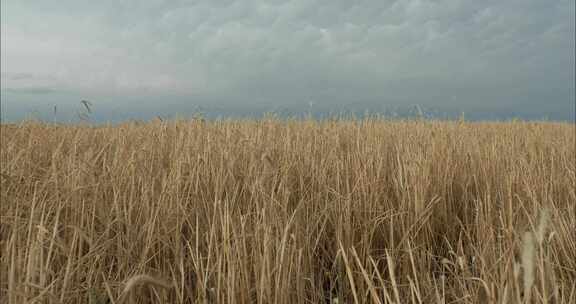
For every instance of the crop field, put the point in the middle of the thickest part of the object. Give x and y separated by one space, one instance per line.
288 211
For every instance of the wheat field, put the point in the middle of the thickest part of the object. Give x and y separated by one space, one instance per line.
288 211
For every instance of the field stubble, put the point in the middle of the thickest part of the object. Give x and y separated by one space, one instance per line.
269 211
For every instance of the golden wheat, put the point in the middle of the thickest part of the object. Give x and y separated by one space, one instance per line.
271 211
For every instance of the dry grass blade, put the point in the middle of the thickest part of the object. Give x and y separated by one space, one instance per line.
368 280
349 274
140 280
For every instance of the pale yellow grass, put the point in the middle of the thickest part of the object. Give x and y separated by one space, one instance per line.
275 211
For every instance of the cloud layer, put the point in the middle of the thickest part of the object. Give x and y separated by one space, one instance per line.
465 54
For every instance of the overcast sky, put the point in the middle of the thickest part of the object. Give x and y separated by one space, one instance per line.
134 58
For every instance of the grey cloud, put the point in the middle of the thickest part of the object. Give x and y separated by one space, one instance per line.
29 90
17 76
25 76
333 51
